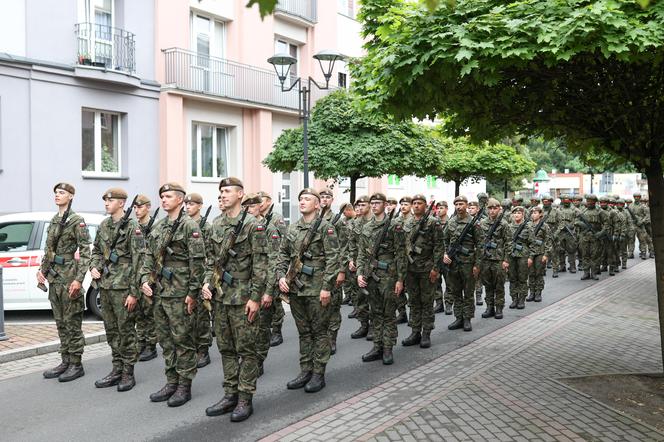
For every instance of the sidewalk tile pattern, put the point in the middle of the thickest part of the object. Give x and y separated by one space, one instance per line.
27 335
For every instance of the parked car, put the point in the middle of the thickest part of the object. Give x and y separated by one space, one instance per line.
22 242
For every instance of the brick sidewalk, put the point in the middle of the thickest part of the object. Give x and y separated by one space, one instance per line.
504 385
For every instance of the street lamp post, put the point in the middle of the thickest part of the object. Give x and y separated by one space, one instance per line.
282 64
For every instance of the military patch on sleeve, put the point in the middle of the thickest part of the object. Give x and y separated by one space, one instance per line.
330 231
196 235
260 228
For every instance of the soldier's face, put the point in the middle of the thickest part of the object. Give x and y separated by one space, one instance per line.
349 212
193 209
377 207
231 196
113 205
326 201
62 197
221 206
405 208
308 204
472 210
494 211
254 209
535 215
442 211
547 203
363 208
141 211
461 207
171 200
517 217
391 206
265 204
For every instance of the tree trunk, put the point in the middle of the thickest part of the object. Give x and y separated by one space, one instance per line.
353 190
505 190
457 187
592 178
656 197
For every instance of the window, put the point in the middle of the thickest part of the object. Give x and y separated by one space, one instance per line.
431 182
100 143
284 47
393 180
209 151
286 197
342 79
96 37
347 8
15 237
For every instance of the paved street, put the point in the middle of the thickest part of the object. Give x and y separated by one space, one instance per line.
493 379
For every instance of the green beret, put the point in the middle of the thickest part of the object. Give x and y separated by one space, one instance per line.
142 200
66 187
474 203
378 197
115 193
264 194
441 203
231 181
175 187
193 198
308 191
590 197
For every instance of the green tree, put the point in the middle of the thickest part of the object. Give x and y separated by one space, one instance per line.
265 7
589 71
346 142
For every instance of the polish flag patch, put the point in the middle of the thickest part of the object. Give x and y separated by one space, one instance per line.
260 228
275 236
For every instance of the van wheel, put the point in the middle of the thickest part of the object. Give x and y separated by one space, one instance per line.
94 302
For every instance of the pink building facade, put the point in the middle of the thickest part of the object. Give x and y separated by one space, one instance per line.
221 104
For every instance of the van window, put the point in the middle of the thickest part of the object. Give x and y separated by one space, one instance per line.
14 237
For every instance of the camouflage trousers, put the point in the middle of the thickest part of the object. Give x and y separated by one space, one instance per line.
518 275
621 251
420 300
176 337
443 295
335 312
145 328
68 315
591 250
312 321
202 329
645 240
120 326
555 254
361 303
383 302
278 315
462 288
236 340
263 332
536 275
493 279
567 250
631 241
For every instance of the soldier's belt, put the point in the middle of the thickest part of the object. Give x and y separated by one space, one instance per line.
230 277
62 258
381 264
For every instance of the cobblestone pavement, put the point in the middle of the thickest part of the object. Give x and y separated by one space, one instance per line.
504 385
29 334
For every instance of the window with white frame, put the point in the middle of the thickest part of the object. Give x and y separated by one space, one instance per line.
209 151
284 47
100 144
347 7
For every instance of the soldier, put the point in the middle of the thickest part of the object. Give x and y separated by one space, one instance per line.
116 257
648 225
483 199
326 200
172 273
347 222
278 315
442 298
620 227
552 219
520 234
309 290
193 203
381 270
405 209
473 209
360 303
566 235
506 206
65 275
237 284
494 258
607 242
642 215
146 332
517 200
592 224
464 268
424 247
631 228
541 248
391 204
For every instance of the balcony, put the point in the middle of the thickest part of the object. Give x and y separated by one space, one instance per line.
105 47
300 9
191 72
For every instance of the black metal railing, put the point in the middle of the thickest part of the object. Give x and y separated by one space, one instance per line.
306 9
106 47
190 71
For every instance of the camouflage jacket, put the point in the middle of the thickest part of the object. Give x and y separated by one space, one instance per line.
640 212
248 278
521 243
130 248
566 217
185 265
391 259
598 219
540 242
323 254
268 238
75 236
498 247
341 229
552 220
426 252
472 243
354 232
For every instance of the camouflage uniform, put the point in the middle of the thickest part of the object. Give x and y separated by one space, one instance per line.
518 270
360 303
402 301
567 239
495 251
590 243
552 221
146 333
202 325
337 292
541 244
619 235
626 231
631 228
642 215
279 312
311 318
67 312
440 296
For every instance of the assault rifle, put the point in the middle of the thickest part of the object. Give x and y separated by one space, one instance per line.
417 232
374 263
456 247
148 227
538 227
335 220
53 258
204 218
517 246
298 266
155 282
220 274
268 215
636 222
589 227
488 244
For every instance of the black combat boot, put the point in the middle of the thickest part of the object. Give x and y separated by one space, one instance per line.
467 326
586 275
514 303
631 256
203 359
612 271
456 325
624 265
369 336
414 339
56 371
538 296
425 341
449 309
603 269
373 355
164 394
148 353
316 384
562 269
499 313
594 275
346 300
549 265
554 274
110 379
388 356
642 255
440 307
127 382
403 317
572 267
353 314
225 405
74 371
181 396
276 339
300 381
243 410
652 255
531 296
489 312
521 303
478 297
360 332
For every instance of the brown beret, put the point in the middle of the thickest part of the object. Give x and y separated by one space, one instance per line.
194 198
64 186
308 191
492 202
325 191
362 199
460 198
517 209
175 187
264 194
420 197
252 198
378 197
142 200
115 193
405 199
442 203
231 181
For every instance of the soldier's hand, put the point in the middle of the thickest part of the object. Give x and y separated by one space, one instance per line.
191 304
433 276
283 286
530 262
266 301
447 260
251 309
361 281
207 293
74 289
95 273
544 259
398 288
351 266
341 277
476 271
325 297
130 303
506 265
40 277
146 289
